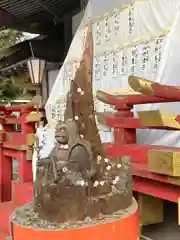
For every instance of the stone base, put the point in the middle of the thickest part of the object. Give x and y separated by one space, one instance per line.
25 224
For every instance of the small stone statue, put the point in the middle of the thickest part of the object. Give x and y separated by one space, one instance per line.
65 175
72 186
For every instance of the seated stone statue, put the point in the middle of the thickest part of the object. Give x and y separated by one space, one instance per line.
72 185
64 176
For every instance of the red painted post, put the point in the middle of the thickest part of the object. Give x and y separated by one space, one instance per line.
5 164
5 177
25 167
124 135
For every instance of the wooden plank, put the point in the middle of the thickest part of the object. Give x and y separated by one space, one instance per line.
164 161
30 139
150 208
18 138
33 117
157 118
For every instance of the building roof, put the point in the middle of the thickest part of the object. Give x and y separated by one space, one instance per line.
14 59
36 16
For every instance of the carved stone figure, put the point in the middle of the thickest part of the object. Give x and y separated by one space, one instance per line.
65 174
72 186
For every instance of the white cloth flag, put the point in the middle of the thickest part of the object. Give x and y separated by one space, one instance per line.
169 73
141 39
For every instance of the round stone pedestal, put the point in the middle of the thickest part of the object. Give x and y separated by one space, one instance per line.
26 225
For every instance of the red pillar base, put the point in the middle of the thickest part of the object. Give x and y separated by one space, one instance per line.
126 227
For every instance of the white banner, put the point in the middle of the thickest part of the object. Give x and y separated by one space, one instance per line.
128 40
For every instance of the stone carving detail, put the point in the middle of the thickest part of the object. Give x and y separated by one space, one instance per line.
72 186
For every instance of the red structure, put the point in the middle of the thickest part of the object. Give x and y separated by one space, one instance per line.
161 186
18 145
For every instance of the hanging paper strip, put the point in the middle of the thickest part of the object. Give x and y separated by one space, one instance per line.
98 34
145 56
131 18
97 73
161 41
107 29
105 64
114 65
58 110
53 111
116 23
124 62
134 59
158 53
68 76
84 37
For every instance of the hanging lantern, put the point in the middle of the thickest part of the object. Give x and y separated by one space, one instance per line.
36 69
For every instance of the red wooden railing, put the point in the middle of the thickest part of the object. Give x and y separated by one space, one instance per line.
16 145
125 126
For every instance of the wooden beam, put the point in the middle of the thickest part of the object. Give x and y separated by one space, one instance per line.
7 19
49 10
49 49
36 24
